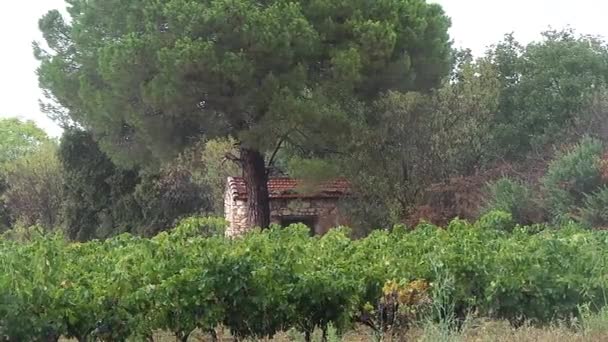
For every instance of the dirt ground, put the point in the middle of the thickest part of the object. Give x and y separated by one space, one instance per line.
477 331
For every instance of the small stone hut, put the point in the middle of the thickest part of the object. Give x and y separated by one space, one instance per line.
290 202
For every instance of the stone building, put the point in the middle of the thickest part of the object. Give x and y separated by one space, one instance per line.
290 203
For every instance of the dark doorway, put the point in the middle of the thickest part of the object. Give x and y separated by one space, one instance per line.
308 221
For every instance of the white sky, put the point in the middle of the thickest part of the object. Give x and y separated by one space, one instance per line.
475 24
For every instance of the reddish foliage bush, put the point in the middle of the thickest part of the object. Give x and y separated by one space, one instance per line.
463 196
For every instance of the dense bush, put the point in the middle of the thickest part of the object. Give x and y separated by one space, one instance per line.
571 176
277 279
595 210
34 188
572 189
101 200
513 197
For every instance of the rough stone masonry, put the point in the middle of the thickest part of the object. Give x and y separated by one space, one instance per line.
290 202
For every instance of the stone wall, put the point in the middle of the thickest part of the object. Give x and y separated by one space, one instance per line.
238 219
235 211
322 211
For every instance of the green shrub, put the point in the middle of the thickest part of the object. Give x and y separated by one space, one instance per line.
594 213
546 276
571 176
513 197
200 226
273 280
498 220
24 234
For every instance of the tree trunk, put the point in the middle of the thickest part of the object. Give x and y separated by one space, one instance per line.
213 335
256 179
182 336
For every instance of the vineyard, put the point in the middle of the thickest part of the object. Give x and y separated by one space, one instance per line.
280 279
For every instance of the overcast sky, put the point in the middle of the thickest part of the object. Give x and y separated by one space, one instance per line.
475 24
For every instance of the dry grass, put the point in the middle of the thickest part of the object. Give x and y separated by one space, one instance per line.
493 331
474 331
592 327
488 332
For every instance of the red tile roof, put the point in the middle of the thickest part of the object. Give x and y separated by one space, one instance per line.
279 187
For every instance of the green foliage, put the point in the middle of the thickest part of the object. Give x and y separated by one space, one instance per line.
210 167
571 176
513 197
514 101
572 189
545 99
150 78
200 226
594 212
418 139
277 279
35 188
102 199
19 138
311 170
562 264
24 234
496 219
93 186
5 214
167 196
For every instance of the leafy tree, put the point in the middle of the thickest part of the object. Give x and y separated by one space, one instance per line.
595 122
102 199
150 78
18 138
35 189
93 186
422 138
547 89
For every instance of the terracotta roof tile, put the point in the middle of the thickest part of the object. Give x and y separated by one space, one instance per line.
279 187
